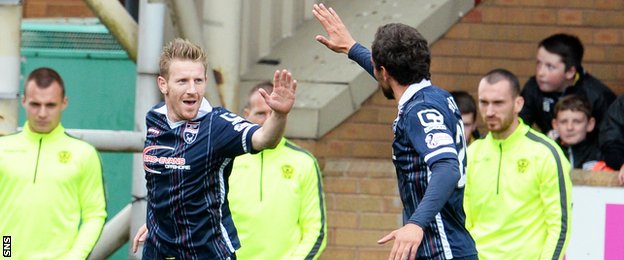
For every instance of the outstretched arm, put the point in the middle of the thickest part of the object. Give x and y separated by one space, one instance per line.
281 101
339 39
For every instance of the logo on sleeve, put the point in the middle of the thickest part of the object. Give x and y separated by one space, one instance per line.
431 119
190 132
434 140
238 122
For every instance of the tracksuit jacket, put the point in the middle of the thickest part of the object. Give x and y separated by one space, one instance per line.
52 195
277 203
518 196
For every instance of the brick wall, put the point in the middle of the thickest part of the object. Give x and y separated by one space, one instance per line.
56 8
360 183
359 179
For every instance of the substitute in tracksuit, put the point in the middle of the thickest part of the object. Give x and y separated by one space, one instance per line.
518 189
52 202
276 197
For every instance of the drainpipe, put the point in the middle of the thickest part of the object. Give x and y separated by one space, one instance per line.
223 34
188 24
151 31
10 19
120 24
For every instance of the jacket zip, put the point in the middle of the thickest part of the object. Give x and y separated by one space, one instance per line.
500 160
261 171
37 162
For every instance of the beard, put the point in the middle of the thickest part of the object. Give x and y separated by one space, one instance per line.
387 91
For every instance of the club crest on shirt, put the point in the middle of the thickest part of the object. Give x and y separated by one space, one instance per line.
523 165
287 171
190 132
64 156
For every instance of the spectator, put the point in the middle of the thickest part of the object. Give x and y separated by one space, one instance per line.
559 73
468 108
53 203
573 120
285 179
429 149
612 137
518 189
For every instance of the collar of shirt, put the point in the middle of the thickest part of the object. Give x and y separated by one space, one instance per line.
204 109
411 90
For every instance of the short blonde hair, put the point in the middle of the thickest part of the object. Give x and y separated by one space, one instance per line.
181 49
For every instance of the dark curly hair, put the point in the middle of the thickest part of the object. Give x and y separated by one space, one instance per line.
403 52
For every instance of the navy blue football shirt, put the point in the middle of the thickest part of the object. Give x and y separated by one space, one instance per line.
428 133
187 165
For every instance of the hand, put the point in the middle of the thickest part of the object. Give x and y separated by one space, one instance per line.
140 237
407 239
282 99
340 39
621 175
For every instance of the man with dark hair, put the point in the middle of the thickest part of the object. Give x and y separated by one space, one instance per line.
518 189
51 188
429 148
559 73
188 156
468 108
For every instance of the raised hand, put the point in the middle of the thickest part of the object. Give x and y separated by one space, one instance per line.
339 39
282 99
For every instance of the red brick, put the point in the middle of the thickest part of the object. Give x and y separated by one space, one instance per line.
607 36
373 149
332 184
570 17
358 237
474 16
605 18
387 187
334 252
342 219
392 205
379 252
384 221
359 203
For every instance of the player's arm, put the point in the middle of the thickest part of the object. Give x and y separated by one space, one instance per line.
92 207
339 39
444 178
312 217
555 193
281 101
